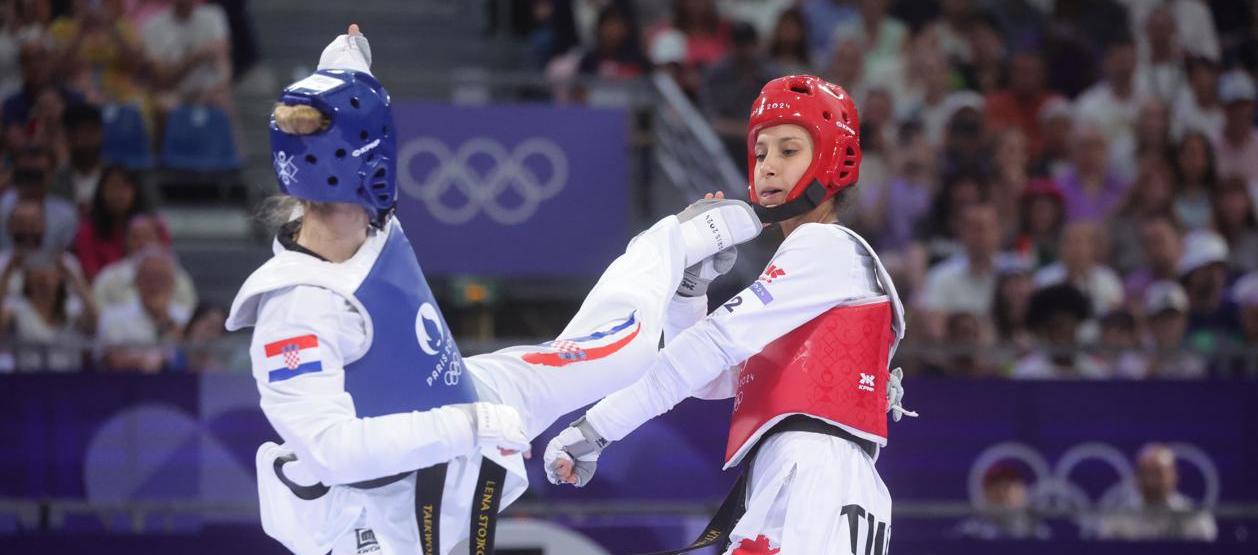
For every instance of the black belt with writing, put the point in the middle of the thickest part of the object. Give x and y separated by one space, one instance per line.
735 503
429 486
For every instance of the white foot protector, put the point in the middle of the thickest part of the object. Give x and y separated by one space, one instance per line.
711 226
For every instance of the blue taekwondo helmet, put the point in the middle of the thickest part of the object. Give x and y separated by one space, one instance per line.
355 158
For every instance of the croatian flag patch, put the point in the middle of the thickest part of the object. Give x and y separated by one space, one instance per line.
599 344
292 357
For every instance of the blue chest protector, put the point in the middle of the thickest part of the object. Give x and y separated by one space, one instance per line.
413 363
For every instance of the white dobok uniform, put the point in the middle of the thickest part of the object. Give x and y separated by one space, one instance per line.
607 346
812 336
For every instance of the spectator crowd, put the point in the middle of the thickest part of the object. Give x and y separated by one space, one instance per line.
93 92
1039 175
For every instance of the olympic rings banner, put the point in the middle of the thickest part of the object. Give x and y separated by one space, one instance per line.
1074 443
513 190
121 438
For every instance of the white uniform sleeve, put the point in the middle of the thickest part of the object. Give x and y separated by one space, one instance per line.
817 268
315 415
682 313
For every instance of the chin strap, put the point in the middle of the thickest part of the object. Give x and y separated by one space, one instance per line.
812 197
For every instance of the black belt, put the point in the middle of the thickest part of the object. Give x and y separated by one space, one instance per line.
429 486
804 423
735 503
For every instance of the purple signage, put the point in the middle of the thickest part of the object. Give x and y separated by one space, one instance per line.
513 190
122 438
111 439
77 436
1067 437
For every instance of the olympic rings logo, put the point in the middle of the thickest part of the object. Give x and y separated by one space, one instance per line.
1052 489
485 192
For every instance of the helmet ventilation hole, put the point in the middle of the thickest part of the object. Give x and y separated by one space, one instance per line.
310 159
801 86
332 181
340 153
363 134
353 101
826 115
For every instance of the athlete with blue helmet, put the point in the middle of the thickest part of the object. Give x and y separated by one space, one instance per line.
390 437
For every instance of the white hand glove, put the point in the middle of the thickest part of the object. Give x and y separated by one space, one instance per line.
895 394
498 426
695 280
351 51
579 445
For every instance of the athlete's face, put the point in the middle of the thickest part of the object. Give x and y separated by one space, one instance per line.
783 154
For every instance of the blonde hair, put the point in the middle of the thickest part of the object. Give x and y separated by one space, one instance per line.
277 210
299 119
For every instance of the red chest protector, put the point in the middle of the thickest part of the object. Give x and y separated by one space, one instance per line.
834 368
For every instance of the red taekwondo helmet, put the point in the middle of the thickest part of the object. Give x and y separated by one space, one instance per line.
828 113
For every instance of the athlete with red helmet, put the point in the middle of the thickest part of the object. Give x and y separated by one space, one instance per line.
804 351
